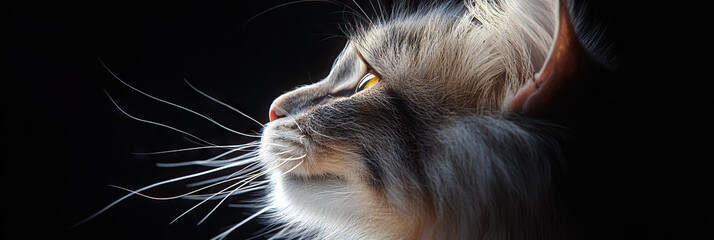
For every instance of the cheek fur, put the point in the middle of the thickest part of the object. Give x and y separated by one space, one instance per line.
325 138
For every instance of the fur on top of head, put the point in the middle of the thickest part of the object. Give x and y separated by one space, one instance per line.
485 47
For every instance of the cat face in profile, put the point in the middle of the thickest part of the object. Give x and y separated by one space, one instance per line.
432 124
426 127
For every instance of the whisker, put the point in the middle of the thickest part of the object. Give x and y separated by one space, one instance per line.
252 187
366 16
239 187
170 103
157 184
194 141
222 103
328 145
293 168
282 153
294 158
225 233
274 144
241 133
205 200
331 37
188 194
320 134
226 197
199 162
242 182
193 149
225 180
156 123
217 163
242 205
287 4
352 12
247 189
248 168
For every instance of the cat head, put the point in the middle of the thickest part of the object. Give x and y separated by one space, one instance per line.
349 153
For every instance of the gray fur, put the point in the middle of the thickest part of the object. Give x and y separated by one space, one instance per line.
430 151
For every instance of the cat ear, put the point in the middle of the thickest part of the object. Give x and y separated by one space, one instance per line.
556 87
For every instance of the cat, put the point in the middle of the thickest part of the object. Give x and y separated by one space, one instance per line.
429 127
433 123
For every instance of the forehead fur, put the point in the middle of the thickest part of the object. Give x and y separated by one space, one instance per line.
479 54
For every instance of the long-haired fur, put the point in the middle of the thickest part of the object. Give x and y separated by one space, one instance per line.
429 152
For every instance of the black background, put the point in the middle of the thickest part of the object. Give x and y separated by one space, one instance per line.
642 158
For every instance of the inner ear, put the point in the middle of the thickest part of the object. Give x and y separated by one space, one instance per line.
556 87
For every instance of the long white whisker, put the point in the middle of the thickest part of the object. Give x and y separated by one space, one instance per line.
366 16
248 168
195 148
286 4
172 104
217 163
240 133
179 164
156 123
250 188
243 182
247 181
222 103
242 205
212 195
181 195
158 184
226 197
164 198
224 234
193 141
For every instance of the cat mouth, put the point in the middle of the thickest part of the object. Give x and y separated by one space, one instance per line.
300 146
283 147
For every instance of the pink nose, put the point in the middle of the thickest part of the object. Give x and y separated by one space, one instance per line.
274 113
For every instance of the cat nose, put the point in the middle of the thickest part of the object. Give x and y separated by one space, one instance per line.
275 113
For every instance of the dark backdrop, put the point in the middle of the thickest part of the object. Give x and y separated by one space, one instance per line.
643 157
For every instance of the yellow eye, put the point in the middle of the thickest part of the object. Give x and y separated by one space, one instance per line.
369 80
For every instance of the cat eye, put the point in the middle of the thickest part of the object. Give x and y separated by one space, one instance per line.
369 80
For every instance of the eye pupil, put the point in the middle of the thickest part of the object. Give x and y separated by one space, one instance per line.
367 81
